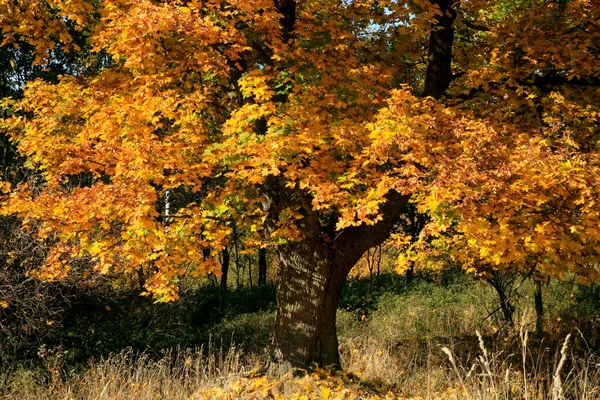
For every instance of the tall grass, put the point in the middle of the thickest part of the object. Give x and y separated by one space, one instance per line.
177 374
441 342
425 341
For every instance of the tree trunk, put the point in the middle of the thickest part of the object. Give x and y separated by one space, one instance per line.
501 282
262 267
236 252
312 272
250 270
507 308
308 293
370 266
379 263
439 73
311 276
539 309
224 268
410 273
141 278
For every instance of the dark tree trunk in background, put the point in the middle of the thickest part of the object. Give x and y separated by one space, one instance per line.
224 268
539 309
414 231
250 271
236 253
502 282
506 305
379 261
287 9
262 267
410 273
141 278
417 223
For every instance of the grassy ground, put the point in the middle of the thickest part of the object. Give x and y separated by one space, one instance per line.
430 339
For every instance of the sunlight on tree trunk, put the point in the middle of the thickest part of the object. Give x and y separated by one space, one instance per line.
307 298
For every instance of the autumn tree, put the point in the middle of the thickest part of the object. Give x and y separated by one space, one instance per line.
313 123
523 197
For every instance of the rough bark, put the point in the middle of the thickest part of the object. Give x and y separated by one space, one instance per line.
311 275
308 292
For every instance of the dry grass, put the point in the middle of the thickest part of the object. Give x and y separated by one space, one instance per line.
435 344
373 370
175 375
444 345
436 372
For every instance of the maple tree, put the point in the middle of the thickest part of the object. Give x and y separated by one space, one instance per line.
530 201
310 124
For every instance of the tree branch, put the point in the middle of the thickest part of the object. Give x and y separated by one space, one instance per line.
475 26
352 242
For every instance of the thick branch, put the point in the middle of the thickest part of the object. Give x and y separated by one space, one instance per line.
552 79
475 26
353 242
287 9
439 73
544 83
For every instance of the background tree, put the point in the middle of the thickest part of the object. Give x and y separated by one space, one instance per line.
32 312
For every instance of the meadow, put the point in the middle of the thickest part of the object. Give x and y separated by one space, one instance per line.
437 337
